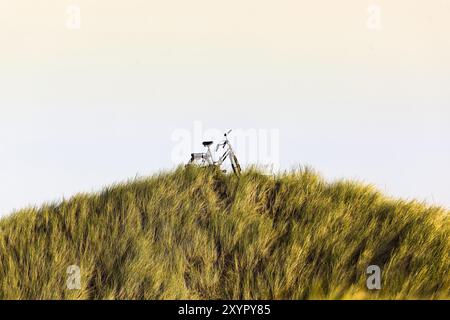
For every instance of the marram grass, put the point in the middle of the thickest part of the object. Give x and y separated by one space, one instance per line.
197 234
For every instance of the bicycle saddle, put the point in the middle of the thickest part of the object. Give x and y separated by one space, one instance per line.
207 143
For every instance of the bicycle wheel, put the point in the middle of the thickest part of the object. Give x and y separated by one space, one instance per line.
235 165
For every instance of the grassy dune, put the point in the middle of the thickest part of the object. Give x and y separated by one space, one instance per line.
193 233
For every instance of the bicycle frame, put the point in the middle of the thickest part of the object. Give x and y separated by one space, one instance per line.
228 152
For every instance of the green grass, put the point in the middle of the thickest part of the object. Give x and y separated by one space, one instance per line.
194 234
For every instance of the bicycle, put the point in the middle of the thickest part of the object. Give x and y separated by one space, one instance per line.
207 159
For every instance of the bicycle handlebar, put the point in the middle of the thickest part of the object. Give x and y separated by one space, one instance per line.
223 144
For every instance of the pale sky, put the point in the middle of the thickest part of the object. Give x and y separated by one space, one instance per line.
353 98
